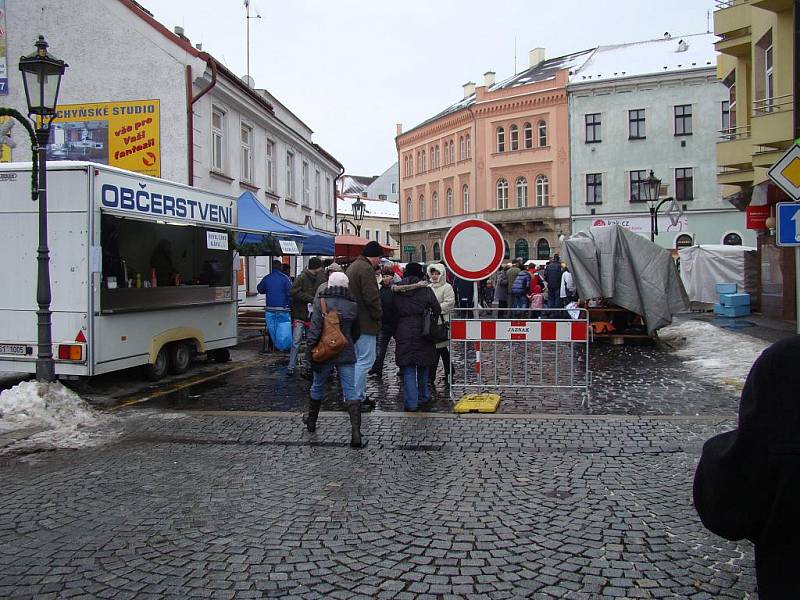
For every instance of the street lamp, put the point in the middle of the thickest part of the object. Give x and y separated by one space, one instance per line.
41 77
358 214
652 189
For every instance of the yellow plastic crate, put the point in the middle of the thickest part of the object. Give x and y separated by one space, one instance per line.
481 403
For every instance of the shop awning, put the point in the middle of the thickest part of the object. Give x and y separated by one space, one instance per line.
318 243
351 246
256 222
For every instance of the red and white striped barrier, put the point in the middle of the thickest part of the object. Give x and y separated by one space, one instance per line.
523 331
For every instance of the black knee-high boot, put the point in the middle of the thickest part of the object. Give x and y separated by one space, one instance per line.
354 410
313 413
445 354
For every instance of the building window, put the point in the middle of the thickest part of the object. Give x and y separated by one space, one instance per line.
290 174
522 192
462 148
469 147
452 151
764 77
437 251
507 253
684 184
449 201
388 241
637 183
527 135
501 139
502 194
423 253
217 139
730 83
732 239
306 184
394 188
270 165
421 214
446 154
683 119
424 162
465 199
594 188
247 153
366 234
419 162
636 125
317 190
726 116
542 132
593 122
328 193
409 210
435 205
513 133
684 241
405 166
542 249
521 249
542 191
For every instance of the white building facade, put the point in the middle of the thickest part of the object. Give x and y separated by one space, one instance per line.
651 106
386 186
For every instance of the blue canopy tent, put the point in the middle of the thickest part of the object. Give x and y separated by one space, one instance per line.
256 222
318 243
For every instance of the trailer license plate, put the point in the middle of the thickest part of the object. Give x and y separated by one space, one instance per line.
15 349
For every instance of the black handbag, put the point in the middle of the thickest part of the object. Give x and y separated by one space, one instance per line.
434 328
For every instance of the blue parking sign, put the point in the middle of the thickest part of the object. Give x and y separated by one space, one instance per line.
788 221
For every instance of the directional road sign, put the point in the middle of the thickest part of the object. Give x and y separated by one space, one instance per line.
788 221
473 249
786 172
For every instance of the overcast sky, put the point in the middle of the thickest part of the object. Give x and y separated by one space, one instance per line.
351 69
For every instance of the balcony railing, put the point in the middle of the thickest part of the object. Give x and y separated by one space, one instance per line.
765 106
735 133
720 4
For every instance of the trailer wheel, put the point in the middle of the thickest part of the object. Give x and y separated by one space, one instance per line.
180 356
221 355
159 368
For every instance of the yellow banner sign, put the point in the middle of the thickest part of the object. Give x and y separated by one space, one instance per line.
120 134
5 149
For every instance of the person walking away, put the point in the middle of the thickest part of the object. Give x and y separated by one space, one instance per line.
303 290
276 288
465 292
414 354
520 289
501 291
537 302
336 297
552 276
388 320
567 291
511 276
364 287
748 480
446 298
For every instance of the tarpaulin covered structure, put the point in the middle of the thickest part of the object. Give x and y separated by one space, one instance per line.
702 267
627 269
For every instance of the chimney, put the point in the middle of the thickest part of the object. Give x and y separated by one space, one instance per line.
488 78
179 32
199 47
399 127
469 88
536 57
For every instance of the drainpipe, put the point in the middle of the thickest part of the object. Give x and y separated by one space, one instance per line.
336 208
190 101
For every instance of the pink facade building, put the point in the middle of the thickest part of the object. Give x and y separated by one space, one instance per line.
501 154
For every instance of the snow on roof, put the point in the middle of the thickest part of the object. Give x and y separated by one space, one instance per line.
374 208
666 55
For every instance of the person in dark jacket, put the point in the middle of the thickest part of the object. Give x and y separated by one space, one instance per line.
388 320
276 287
337 297
747 483
552 276
414 354
303 289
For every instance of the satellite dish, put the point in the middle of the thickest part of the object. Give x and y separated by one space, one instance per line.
249 81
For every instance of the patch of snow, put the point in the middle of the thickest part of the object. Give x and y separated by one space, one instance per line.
713 353
66 419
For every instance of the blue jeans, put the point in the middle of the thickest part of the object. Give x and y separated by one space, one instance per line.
297 339
346 377
415 386
520 301
365 358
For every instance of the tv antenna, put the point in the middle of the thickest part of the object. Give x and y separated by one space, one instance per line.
248 17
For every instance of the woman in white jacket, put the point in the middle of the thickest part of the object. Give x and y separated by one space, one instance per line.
447 300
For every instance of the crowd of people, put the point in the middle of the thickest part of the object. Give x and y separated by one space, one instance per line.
377 301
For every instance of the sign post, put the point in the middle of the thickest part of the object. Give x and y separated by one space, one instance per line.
786 174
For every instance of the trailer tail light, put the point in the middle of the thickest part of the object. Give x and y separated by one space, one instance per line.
72 352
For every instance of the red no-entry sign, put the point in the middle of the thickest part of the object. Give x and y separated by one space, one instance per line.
473 249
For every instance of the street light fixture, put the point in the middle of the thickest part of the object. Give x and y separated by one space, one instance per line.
41 77
652 189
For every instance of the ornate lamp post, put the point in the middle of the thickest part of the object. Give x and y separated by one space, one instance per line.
41 77
358 215
652 189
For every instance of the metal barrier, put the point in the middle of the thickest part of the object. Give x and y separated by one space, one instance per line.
509 348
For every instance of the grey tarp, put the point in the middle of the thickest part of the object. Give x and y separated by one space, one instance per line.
702 267
627 269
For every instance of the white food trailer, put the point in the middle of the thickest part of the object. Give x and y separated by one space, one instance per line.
141 271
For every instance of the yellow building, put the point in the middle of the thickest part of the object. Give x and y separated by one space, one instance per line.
755 63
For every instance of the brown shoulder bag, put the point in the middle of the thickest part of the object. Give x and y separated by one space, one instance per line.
332 341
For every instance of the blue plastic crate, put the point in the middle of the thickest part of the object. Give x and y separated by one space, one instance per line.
733 311
734 299
727 288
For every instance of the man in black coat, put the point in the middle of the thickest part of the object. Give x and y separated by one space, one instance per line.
388 320
552 275
747 483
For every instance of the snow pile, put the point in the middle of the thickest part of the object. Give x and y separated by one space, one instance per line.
713 353
67 420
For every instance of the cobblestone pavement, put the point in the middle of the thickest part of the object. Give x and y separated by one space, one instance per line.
626 380
437 506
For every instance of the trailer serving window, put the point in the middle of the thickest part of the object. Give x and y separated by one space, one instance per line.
150 265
